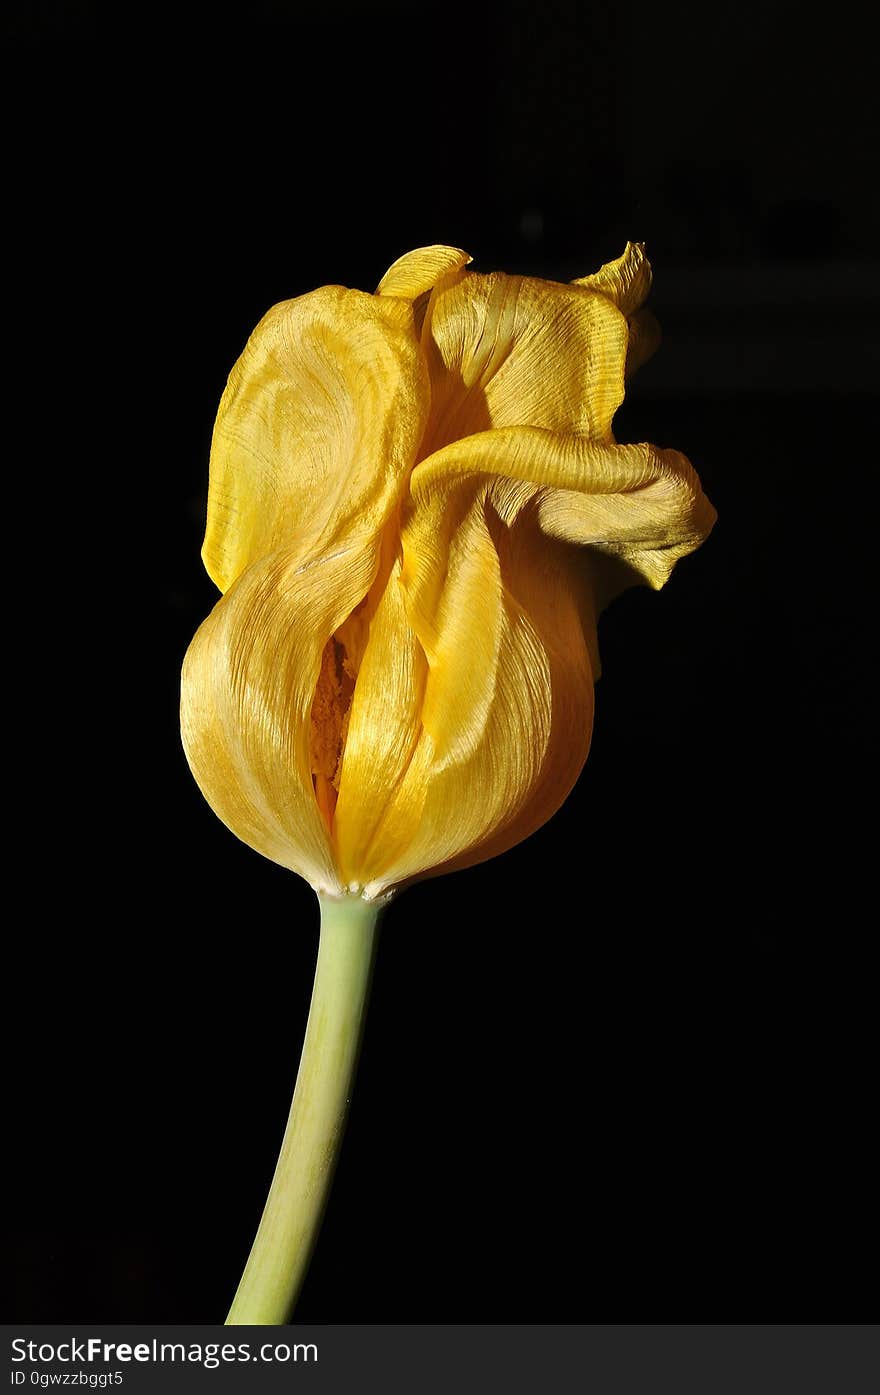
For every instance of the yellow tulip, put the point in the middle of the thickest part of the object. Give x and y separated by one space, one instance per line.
417 509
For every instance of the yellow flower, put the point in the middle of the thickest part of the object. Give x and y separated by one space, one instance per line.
417 509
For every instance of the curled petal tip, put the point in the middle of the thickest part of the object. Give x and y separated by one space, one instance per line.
419 271
625 281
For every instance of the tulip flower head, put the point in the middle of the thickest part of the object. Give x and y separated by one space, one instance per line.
417 509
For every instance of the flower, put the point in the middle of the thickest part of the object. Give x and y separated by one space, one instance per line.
417 509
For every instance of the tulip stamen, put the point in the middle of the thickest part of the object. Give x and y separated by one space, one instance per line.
329 724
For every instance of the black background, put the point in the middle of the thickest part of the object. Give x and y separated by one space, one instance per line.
623 1072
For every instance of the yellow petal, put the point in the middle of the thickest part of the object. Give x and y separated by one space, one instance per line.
635 502
512 351
546 664
507 706
626 281
247 696
419 271
316 430
642 507
384 729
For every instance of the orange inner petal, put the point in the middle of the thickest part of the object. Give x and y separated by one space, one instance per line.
328 724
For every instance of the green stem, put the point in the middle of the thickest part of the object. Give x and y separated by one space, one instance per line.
294 1207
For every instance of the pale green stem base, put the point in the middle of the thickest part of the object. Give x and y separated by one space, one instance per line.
295 1204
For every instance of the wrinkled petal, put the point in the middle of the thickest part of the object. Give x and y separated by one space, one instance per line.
626 281
316 430
499 672
549 623
248 688
419 271
640 504
511 351
384 730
